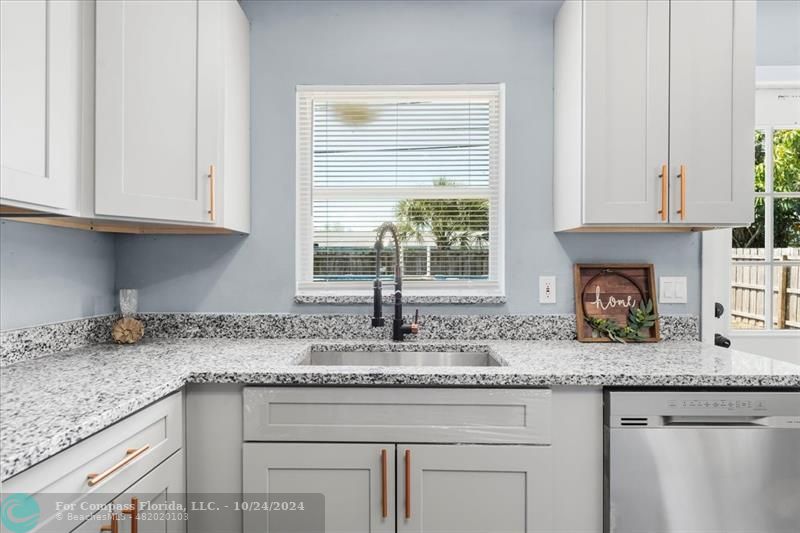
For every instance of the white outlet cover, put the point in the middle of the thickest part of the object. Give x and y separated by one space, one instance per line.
547 289
672 290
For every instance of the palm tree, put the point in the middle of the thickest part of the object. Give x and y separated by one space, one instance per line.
451 222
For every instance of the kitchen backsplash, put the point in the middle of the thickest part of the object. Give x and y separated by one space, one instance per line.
28 343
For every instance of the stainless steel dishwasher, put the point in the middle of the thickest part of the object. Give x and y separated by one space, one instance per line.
702 462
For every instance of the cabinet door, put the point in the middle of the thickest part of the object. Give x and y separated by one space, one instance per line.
712 71
157 107
148 500
626 84
446 488
40 97
351 477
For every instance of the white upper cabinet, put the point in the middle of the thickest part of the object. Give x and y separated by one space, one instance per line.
712 111
644 88
40 112
158 109
626 80
128 115
172 112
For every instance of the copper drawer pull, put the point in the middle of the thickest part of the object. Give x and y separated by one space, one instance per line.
663 210
130 455
133 511
113 527
408 484
682 177
212 183
384 487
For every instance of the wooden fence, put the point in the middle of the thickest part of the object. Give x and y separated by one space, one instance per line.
748 290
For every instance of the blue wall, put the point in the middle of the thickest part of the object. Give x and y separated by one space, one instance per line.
390 43
49 274
778 32
53 274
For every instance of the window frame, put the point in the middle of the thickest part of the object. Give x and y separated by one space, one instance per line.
491 290
769 262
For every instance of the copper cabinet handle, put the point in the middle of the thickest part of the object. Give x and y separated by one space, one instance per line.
133 511
682 177
384 486
130 455
664 185
212 183
113 527
408 484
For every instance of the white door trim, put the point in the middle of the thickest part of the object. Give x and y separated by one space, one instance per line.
715 259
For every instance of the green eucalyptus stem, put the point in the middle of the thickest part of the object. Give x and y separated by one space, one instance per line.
639 318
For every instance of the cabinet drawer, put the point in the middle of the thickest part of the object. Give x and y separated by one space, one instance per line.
156 490
155 433
397 415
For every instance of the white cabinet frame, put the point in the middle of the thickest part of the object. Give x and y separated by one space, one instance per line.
40 122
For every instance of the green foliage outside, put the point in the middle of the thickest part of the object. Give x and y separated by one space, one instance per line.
786 178
452 223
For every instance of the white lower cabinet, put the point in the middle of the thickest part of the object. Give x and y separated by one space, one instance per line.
461 476
150 501
447 488
94 471
144 507
358 491
438 488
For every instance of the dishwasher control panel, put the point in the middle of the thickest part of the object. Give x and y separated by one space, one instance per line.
656 403
726 403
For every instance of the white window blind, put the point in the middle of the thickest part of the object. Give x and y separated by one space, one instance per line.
428 159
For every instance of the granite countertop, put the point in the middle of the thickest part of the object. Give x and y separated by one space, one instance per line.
50 403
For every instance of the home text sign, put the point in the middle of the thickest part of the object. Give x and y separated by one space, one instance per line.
610 291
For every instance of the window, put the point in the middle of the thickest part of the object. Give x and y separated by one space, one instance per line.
767 253
427 158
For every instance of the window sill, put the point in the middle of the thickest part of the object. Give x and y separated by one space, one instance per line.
764 333
343 299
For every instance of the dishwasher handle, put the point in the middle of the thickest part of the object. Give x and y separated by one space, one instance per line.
716 421
701 421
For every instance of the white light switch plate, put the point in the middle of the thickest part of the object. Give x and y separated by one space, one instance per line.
672 290
547 289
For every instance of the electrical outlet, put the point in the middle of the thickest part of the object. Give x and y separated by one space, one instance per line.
672 290
547 289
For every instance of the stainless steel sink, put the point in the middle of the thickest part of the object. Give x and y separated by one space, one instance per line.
383 358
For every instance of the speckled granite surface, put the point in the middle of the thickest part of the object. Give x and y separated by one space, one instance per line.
50 403
23 344
357 326
29 343
408 299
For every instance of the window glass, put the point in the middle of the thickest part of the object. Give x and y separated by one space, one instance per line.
786 160
786 229
759 161
748 241
747 296
786 296
427 160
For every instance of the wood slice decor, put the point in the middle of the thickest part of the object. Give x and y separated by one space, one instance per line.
616 302
127 331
